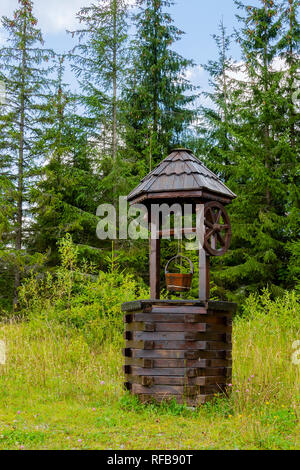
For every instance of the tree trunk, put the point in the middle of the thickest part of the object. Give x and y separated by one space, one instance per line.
20 175
292 75
156 80
267 126
115 39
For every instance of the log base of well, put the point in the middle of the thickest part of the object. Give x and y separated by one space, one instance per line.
178 349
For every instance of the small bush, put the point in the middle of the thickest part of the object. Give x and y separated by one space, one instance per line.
75 297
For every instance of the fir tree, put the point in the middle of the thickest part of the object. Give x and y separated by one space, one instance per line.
68 192
158 96
253 152
259 155
26 82
99 62
289 53
214 138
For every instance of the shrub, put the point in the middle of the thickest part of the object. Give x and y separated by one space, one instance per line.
75 297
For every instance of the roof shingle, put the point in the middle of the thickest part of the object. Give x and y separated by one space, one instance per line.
181 171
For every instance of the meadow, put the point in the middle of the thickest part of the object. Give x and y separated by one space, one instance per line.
59 391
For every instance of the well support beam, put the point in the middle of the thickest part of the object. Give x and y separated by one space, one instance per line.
155 269
203 274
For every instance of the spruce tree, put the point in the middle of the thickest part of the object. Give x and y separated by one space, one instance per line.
100 61
214 138
158 97
24 72
255 157
289 53
68 191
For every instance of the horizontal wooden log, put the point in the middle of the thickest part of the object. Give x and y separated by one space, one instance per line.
212 380
143 326
185 390
205 367
201 345
148 381
175 336
146 345
176 354
164 363
175 318
139 371
219 313
211 305
179 326
178 310
212 372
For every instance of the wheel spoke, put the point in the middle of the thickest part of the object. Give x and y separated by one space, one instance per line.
218 216
213 242
221 239
208 234
212 215
218 229
209 224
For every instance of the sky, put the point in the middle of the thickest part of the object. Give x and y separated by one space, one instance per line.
199 20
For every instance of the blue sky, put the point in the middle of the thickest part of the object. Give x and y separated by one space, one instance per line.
198 18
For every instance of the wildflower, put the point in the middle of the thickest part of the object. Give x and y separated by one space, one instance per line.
267 402
229 416
21 447
79 440
247 390
94 409
229 385
18 412
102 382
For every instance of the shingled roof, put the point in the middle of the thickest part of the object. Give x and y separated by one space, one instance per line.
183 173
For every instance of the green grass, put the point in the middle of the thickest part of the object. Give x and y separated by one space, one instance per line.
56 392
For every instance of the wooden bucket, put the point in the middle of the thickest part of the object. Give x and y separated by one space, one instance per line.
177 282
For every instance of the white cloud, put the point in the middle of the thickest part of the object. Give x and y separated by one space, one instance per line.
54 16
2 38
194 73
239 71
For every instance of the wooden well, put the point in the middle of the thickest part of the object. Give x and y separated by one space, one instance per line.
178 349
181 349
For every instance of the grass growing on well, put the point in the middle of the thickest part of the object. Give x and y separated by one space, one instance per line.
59 392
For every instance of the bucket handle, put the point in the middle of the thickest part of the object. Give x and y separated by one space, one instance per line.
182 257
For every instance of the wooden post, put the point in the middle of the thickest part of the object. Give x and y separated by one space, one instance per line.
203 275
155 269
207 276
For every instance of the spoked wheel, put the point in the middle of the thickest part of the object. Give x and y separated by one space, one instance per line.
218 229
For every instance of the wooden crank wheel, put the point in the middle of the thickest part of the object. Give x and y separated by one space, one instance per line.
218 229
